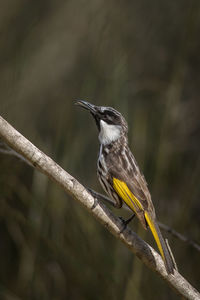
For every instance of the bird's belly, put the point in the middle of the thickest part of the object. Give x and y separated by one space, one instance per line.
106 183
103 175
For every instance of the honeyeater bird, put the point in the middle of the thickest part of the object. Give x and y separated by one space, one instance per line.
119 174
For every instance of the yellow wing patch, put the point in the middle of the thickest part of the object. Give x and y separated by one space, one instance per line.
123 191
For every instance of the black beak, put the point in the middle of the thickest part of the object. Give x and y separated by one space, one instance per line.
92 108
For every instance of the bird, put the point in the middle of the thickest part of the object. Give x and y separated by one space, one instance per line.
120 176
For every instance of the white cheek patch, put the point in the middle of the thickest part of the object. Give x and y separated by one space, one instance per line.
108 133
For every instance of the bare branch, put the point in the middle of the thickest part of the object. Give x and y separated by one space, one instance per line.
143 251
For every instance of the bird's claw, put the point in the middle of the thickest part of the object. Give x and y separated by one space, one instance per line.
126 222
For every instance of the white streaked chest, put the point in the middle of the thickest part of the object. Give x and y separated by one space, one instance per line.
102 166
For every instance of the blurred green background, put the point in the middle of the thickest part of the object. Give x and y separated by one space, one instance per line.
141 57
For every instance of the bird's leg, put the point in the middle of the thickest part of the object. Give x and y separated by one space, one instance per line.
101 197
126 222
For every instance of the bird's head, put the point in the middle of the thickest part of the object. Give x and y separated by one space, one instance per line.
110 123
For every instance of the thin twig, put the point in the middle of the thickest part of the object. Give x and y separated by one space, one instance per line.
5 149
179 236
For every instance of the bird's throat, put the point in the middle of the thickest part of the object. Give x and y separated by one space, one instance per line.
109 133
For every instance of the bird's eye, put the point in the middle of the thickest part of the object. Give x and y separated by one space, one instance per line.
109 114
110 117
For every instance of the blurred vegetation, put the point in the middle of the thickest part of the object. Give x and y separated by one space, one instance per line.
142 57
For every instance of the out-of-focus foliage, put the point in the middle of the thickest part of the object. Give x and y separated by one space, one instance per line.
142 57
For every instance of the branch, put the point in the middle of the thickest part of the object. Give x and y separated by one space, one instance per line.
48 167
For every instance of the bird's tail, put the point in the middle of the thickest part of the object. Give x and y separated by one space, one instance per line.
162 246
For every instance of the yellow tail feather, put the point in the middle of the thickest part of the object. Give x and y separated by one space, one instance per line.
155 233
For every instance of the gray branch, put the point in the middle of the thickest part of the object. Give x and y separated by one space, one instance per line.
140 248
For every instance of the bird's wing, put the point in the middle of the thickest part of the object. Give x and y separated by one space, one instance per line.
131 176
130 185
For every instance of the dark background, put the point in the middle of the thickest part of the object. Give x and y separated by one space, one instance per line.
141 57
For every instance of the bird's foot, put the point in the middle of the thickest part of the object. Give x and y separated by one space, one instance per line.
126 222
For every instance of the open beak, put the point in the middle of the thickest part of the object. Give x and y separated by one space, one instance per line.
92 108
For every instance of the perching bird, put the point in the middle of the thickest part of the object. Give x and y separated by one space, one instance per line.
119 173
